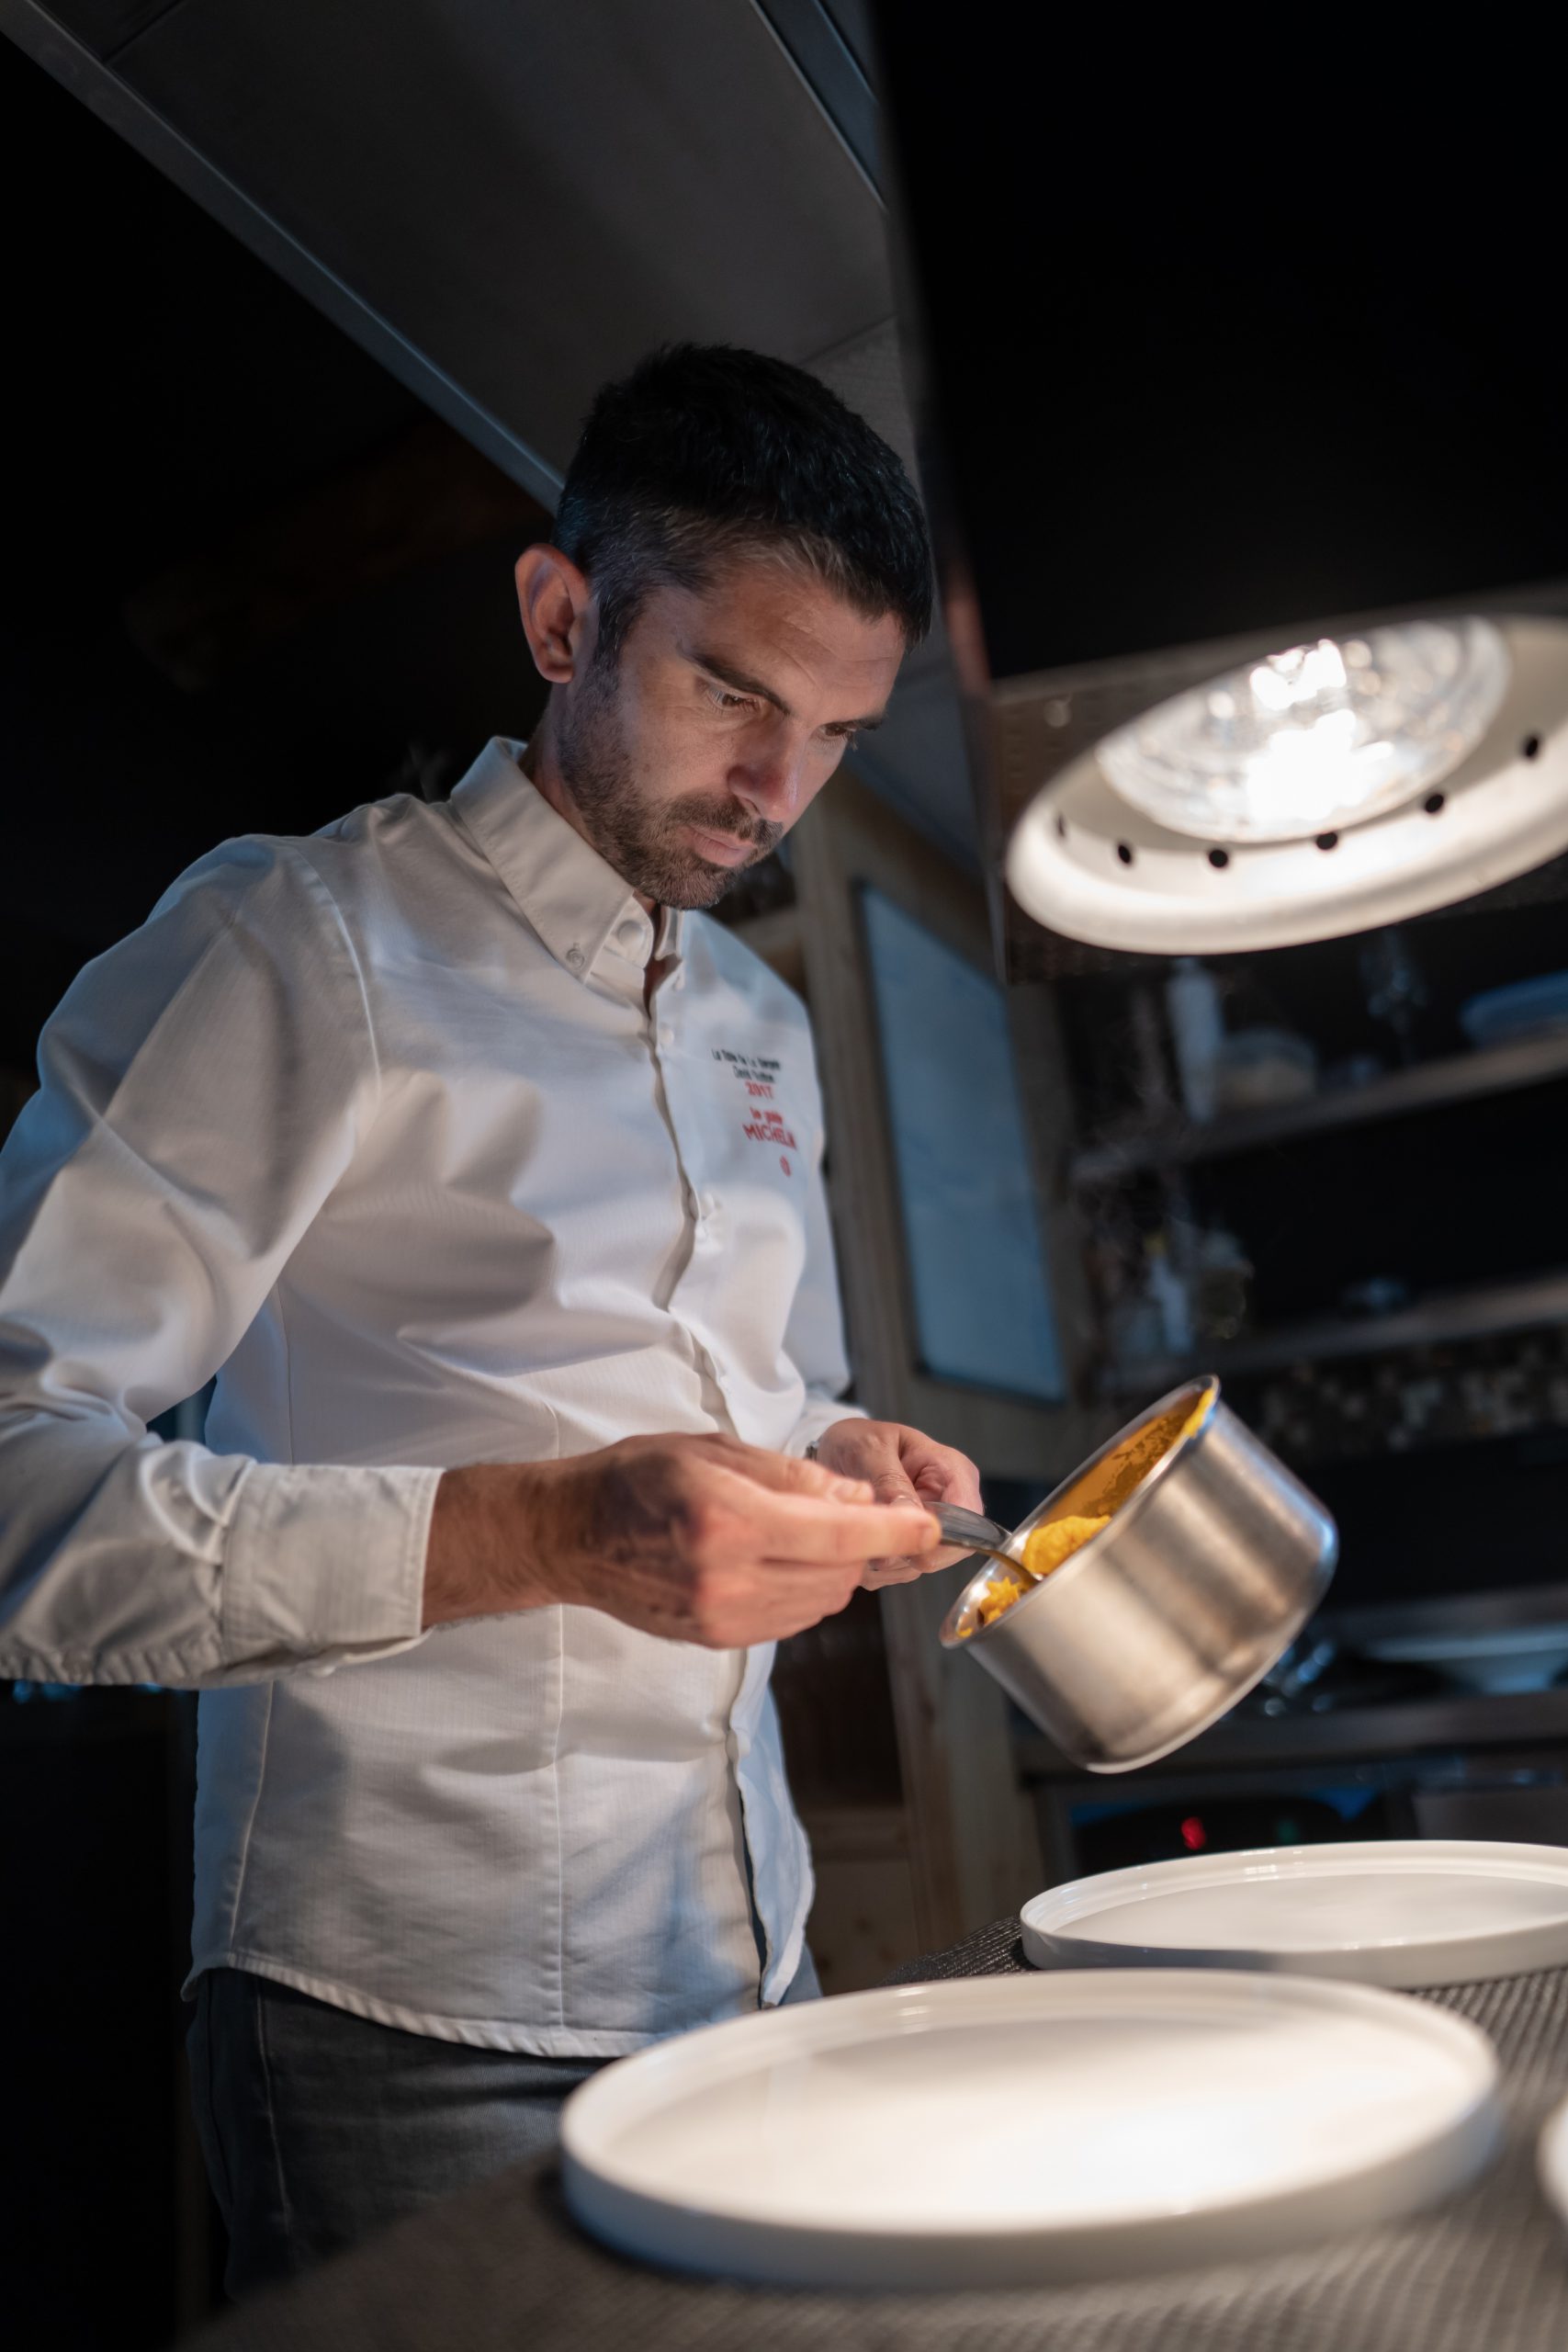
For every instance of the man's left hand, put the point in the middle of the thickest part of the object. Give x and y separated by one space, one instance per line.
902 1466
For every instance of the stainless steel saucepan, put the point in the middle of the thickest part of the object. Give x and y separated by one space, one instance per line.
1161 1621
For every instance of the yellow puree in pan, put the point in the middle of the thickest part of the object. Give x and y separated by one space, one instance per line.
1094 1500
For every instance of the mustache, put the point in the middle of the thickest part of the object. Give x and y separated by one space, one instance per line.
727 817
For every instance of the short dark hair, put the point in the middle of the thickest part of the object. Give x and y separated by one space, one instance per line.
704 452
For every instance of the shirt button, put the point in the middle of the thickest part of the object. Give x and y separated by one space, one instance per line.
574 957
628 932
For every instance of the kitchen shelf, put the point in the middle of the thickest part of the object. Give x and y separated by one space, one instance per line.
1457 1078
1433 1722
1472 1313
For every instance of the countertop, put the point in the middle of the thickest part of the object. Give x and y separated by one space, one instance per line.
502 2267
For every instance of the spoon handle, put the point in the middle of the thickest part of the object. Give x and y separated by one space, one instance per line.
968 1528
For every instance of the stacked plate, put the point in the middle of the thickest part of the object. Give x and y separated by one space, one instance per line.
1422 1913
1425 1912
1537 1008
1194 2076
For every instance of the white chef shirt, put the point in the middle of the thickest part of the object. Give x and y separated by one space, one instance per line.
376 1127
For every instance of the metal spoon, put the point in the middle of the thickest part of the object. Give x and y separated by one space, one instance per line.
976 1535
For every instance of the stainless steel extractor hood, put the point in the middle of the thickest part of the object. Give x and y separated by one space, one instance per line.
506 203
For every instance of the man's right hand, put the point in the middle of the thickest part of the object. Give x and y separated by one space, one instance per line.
699 1539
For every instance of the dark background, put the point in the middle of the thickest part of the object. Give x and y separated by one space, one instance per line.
1229 327
196 459
247 583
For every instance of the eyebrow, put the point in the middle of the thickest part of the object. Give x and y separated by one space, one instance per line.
745 684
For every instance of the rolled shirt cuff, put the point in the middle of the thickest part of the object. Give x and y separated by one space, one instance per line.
325 1565
819 1417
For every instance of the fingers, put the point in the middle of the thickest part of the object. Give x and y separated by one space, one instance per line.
903 1464
879 1574
805 1600
941 1474
810 1528
787 1510
710 1541
769 1601
892 1483
788 1473
905 1570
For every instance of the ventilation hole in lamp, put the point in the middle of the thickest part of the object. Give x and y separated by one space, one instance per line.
1531 747
1434 803
1125 852
1219 859
1328 841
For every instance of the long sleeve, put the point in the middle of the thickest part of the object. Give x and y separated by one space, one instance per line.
204 1086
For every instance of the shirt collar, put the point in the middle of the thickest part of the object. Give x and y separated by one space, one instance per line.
580 908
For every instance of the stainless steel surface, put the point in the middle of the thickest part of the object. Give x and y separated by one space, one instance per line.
1161 1621
505 204
968 1528
101 88
830 49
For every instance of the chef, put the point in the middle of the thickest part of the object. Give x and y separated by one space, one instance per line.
484 1173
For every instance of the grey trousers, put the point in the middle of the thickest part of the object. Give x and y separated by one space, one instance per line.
319 2127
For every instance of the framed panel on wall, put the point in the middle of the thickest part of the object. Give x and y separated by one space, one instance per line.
981 1312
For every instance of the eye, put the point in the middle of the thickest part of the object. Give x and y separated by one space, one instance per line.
723 698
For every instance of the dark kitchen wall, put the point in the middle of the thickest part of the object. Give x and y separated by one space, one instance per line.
1215 342
247 582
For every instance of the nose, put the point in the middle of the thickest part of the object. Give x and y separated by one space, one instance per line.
770 777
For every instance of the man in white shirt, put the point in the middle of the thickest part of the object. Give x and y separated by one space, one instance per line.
484 1173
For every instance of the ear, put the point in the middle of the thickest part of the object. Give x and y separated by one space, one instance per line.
553 598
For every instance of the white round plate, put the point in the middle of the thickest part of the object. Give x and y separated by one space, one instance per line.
1537 1008
1514 1657
1408 1912
1551 2160
1006 2130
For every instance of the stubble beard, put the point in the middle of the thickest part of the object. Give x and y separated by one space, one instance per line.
644 846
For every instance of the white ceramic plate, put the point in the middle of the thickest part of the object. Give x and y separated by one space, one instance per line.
1004 2131
1518 1658
1421 1911
1535 1007
1551 2160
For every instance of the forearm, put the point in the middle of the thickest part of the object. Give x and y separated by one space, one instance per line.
490 1547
